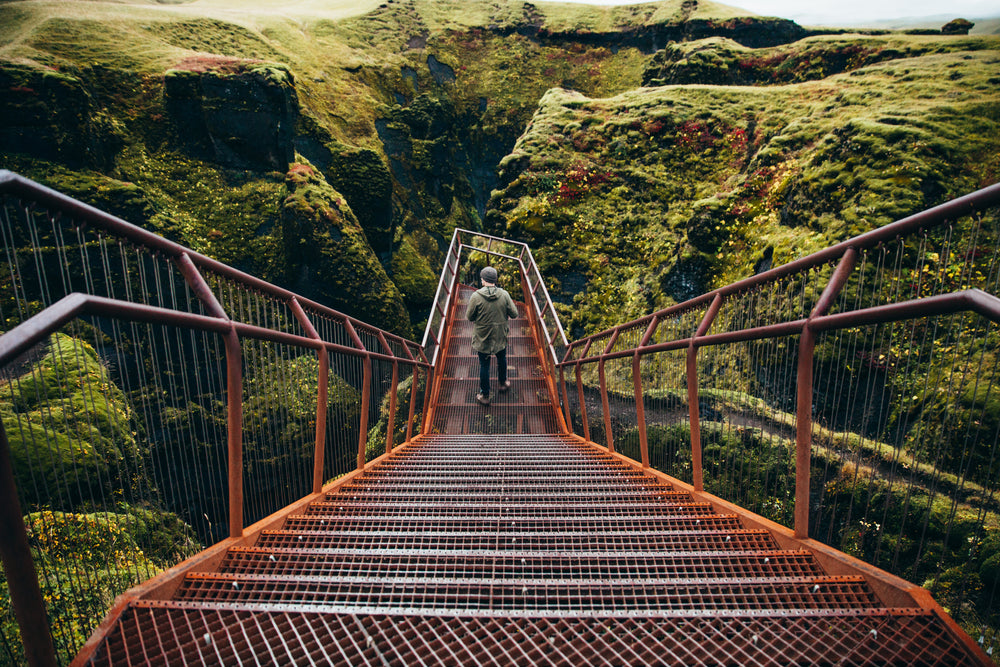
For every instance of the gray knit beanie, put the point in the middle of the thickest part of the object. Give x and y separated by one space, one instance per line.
489 274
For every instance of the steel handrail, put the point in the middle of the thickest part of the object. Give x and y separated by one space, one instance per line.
27 600
17 185
969 300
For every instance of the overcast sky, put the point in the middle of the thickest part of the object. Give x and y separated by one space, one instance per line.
852 12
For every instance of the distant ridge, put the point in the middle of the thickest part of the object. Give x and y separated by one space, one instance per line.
984 25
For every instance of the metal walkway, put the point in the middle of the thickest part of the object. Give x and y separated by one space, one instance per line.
518 546
527 407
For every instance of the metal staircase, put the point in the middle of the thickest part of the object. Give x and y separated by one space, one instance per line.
522 547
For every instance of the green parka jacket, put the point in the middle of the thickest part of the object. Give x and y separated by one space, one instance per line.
489 308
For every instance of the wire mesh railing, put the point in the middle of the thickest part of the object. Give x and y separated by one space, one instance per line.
154 402
851 395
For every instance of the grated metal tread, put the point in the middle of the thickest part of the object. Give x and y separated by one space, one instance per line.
523 565
584 541
815 593
508 525
170 633
682 504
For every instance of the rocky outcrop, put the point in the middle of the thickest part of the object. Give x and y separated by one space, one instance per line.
749 31
243 119
327 258
47 114
718 61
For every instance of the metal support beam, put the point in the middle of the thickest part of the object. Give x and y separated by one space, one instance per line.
19 568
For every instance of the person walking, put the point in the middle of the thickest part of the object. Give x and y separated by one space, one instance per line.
489 308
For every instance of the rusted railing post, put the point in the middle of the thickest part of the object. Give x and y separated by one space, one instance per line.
804 393
391 417
640 409
567 416
426 417
234 392
583 404
366 389
19 567
605 406
322 388
414 381
694 416
391 424
640 406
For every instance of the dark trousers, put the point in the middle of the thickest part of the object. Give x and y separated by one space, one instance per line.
484 370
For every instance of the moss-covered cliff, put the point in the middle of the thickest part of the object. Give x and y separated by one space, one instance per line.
186 119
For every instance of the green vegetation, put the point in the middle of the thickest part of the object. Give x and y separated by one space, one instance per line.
333 147
657 195
85 560
72 433
76 445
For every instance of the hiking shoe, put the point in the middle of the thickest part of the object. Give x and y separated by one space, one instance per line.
505 386
485 400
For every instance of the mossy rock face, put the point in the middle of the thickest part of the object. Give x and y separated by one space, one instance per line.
326 255
47 114
957 27
721 61
415 278
70 428
364 180
244 120
660 193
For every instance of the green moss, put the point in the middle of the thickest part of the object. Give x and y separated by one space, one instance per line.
280 418
415 278
327 257
724 174
85 560
71 430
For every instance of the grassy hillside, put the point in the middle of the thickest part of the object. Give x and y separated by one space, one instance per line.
404 108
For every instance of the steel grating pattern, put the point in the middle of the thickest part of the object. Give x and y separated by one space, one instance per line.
613 595
164 633
499 543
522 565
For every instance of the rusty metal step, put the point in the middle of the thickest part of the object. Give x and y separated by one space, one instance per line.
518 367
811 593
500 524
513 496
494 484
524 565
712 540
681 504
170 633
521 394
431 475
517 346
